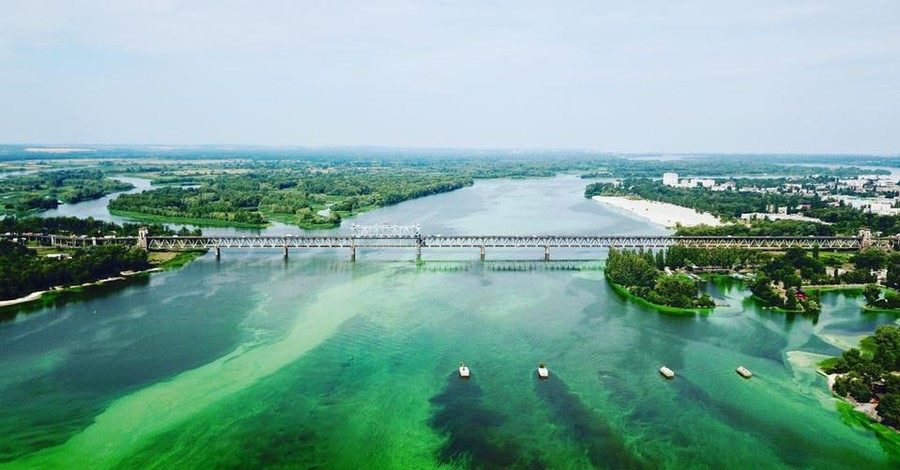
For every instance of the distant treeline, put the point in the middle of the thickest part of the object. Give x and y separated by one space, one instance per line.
295 196
554 161
89 227
44 190
22 271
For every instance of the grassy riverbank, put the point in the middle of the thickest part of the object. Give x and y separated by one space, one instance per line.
168 260
184 220
870 309
889 438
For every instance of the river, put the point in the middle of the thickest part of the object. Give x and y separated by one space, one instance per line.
318 362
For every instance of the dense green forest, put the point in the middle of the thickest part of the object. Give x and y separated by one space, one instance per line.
791 270
729 205
872 372
728 258
637 272
22 271
89 227
44 190
289 195
761 227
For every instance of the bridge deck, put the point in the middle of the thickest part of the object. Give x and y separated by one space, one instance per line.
470 241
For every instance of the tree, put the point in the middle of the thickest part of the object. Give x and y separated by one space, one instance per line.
869 260
630 269
891 384
677 291
792 280
872 293
762 288
853 385
893 271
887 347
790 301
889 409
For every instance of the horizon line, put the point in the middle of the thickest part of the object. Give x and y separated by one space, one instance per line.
99 146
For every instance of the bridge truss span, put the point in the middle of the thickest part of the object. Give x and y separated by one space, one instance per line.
482 242
505 241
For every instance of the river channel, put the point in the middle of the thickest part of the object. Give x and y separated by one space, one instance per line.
318 362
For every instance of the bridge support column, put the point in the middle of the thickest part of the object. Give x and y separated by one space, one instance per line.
865 238
284 253
482 252
352 253
143 241
94 241
218 252
546 253
418 253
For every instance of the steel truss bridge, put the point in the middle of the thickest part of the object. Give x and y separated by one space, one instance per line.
356 242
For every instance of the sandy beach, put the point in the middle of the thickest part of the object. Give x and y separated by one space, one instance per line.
661 213
21 300
37 295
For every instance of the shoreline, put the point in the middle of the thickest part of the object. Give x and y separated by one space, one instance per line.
660 213
663 309
38 295
21 300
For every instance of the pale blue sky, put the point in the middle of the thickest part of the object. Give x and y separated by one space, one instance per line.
667 76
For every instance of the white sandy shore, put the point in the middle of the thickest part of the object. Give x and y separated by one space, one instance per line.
22 300
37 295
661 213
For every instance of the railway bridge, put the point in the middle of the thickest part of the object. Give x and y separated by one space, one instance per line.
413 240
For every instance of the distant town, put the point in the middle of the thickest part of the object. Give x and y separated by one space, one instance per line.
876 194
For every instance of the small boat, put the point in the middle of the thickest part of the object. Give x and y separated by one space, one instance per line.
463 371
666 372
542 371
744 372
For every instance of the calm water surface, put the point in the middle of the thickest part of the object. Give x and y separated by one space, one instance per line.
318 362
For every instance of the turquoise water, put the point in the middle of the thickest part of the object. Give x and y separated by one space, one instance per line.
318 362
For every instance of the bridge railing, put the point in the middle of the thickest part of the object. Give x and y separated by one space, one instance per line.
466 241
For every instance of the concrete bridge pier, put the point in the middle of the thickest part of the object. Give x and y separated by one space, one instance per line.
482 252
546 253
284 253
352 253
218 252
418 253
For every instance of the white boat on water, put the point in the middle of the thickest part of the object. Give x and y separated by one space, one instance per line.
744 372
542 371
666 372
463 371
